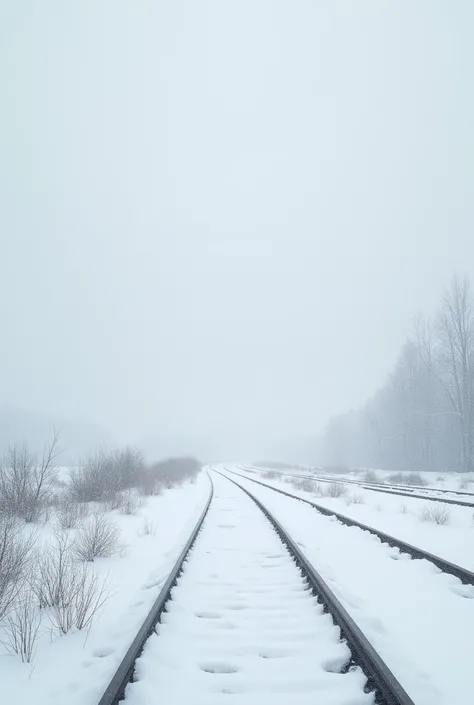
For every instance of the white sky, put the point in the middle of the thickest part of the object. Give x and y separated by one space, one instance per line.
218 218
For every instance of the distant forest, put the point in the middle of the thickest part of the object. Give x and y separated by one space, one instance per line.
423 417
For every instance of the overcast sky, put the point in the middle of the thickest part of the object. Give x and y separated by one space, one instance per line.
218 218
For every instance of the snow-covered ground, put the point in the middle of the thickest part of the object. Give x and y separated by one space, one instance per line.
419 619
451 481
402 517
242 624
75 669
443 481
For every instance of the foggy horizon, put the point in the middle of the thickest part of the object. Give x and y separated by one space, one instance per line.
218 221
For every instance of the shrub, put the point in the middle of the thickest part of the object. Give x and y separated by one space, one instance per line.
414 478
438 515
16 553
411 478
403 508
398 478
355 499
271 475
98 538
104 475
54 576
149 484
335 489
371 476
71 592
304 485
465 483
149 528
21 629
26 483
131 503
168 473
69 513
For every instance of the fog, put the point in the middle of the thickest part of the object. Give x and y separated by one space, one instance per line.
218 219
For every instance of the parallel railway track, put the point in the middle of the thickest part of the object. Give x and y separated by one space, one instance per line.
385 489
235 605
465 576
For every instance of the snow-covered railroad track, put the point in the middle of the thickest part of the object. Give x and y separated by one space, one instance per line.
243 620
418 618
464 575
398 490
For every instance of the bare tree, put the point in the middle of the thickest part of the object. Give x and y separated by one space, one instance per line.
423 416
26 482
456 359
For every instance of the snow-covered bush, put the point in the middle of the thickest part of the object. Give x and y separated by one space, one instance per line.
335 489
270 475
26 483
438 514
70 591
411 478
21 628
305 485
397 478
16 554
168 473
131 503
355 498
414 478
371 476
53 581
103 476
69 514
98 537
149 527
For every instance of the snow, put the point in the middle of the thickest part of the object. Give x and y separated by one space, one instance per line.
419 619
400 517
243 622
76 668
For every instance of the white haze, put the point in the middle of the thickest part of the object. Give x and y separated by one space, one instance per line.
218 218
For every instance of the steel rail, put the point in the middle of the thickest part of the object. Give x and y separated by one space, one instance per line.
115 691
465 576
406 493
380 680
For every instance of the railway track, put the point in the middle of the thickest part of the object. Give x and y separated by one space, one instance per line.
464 575
385 489
243 612
367 483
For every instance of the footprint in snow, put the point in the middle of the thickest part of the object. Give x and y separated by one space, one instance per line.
103 653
